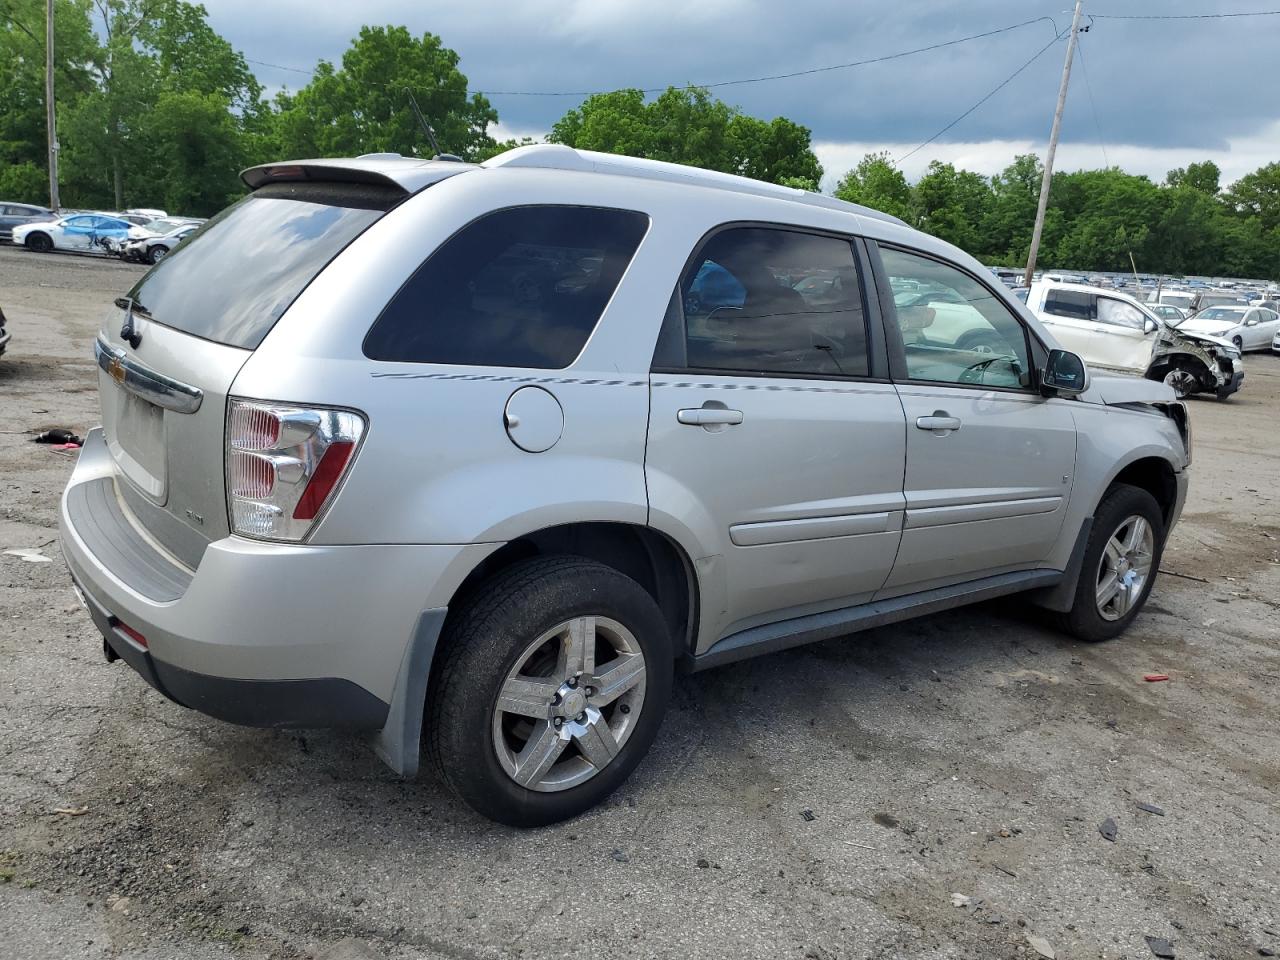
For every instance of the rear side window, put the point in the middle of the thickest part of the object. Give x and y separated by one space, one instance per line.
521 287
231 281
760 300
1069 303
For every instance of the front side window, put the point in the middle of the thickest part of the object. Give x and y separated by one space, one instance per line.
762 300
954 329
1117 313
521 287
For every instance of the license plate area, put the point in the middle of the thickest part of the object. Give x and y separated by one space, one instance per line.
135 437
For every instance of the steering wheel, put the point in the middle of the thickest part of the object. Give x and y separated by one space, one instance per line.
976 372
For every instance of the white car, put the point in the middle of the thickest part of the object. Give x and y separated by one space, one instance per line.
83 232
1249 328
1115 332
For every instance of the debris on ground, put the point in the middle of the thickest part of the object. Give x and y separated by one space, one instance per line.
704 864
58 435
886 820
1108 829
71 811
620 856
960 900
808 815
1155 677
1161 947
29 554
1149 808
1041 946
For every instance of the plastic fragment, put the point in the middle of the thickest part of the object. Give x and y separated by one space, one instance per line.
1108 829
1155 677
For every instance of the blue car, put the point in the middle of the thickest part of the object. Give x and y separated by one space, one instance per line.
81 232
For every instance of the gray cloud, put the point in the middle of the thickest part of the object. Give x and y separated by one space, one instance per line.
1182 84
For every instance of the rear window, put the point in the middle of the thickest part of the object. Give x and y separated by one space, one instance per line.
231 281
521 287
1069 303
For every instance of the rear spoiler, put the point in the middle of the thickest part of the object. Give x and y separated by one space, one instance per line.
402 173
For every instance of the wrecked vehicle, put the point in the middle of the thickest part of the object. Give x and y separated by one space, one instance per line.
4 334
1115 332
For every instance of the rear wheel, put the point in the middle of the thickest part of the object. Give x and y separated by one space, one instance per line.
39 242
1120 564
552 685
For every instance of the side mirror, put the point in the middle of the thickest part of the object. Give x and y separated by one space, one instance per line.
1149 325
1251 322
1064 373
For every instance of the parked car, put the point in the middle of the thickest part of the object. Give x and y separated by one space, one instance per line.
456 461
1116 332
1275 343
83 232
1249 328
1168 312
17 214
5 336
165 235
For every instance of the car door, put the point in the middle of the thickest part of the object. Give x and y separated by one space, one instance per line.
771 446
989 460
1131 335
1070 315
75 233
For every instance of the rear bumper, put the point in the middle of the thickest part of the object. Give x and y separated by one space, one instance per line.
266 634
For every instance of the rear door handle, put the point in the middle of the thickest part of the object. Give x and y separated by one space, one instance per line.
708 416
938 422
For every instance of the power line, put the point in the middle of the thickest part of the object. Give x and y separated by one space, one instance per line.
1000 86
1092 105
739 82
1182 16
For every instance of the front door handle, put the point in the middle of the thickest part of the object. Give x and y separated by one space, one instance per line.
938 422
709 416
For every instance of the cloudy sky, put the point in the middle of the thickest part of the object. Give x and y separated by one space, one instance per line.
1166 92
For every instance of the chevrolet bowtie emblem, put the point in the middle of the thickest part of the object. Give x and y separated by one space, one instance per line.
116 369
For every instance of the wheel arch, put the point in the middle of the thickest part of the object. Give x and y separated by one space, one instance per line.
1153 474
651 558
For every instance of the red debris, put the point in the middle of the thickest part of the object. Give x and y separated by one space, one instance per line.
1155 677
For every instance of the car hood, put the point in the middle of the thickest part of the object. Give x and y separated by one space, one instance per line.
1113 390
1202 337
1214 328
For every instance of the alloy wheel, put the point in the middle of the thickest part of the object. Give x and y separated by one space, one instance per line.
569 704
1182 381
1124 568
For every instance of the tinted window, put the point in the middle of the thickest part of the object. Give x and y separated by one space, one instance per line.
1069 303
955 330
231 282
760 300
522 287
1120 314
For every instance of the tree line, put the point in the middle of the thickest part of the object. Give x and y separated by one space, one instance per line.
155 108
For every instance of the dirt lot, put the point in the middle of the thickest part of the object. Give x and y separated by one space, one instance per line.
974 753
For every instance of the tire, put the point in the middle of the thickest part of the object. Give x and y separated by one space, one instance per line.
1183 379
516 633
981 342
39 242
1120 508
156 254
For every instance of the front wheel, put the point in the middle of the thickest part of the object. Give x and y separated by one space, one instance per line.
1120 564
39 242
551 685
156 254
1183 381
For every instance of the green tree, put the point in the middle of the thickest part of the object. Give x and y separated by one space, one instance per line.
875 182
1257 195
953 204
688 125
363 107
1015 192
1204 177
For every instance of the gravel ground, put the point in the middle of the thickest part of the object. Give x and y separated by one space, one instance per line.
826 803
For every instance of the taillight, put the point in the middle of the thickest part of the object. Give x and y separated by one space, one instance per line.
284 463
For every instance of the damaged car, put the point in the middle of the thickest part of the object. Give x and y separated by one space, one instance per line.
1114 332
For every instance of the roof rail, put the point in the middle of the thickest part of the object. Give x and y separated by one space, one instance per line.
555 156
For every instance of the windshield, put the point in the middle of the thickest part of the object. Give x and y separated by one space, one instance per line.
230 281
1220 313
165 226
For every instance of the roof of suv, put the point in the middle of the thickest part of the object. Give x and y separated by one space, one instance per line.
412 174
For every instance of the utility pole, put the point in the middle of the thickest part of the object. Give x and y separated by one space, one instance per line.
50 120
1053 147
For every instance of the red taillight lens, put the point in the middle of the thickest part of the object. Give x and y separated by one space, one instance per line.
328 472
251 476
284 463
253 428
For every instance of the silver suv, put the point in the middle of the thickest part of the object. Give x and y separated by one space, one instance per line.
476 457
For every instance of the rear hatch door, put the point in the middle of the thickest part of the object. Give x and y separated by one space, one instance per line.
170 350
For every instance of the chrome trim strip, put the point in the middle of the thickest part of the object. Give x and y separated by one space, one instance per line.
141 380
969 512
813 528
